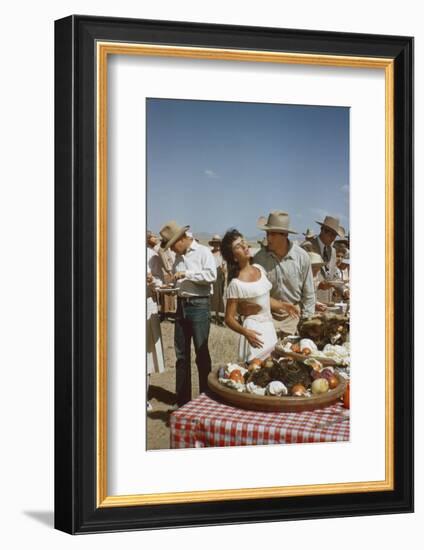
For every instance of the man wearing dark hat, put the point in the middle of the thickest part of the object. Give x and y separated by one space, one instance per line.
288 268
323 245
194 272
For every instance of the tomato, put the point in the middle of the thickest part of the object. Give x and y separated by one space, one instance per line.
236 376
333 382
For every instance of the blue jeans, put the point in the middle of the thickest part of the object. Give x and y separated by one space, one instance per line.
192 321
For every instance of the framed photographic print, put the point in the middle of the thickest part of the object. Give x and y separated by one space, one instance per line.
233 265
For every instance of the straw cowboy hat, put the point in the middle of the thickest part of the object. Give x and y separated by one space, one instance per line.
277 221
316 259
215 239
345 260
171 232
344 241
309 234
333 224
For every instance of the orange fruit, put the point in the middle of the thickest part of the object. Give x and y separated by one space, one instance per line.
236 376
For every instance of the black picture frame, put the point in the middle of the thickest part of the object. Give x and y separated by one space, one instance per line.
76 509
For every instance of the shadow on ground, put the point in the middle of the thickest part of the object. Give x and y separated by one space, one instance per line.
162 395
44 517
160 415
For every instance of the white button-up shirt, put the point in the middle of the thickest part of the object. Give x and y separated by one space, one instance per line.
199 266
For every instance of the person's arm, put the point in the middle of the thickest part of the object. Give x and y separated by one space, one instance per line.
231 321
246 308
320 307
278 306
324 285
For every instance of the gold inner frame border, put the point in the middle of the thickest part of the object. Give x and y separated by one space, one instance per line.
103 50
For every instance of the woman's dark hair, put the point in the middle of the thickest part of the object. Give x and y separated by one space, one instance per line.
233 268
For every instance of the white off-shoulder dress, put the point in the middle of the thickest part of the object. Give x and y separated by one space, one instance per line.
256 292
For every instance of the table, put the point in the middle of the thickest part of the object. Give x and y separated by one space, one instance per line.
204 422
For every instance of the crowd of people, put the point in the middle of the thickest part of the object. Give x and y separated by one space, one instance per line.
260 296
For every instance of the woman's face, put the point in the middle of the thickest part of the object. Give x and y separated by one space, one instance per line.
240 249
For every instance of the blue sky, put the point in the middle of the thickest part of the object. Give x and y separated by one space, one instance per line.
214 165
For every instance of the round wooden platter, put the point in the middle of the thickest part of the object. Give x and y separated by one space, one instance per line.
269 403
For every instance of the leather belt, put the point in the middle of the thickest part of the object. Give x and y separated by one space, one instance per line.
188 299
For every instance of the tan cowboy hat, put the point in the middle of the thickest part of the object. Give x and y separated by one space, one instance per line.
316 259
309 234
334 224
345 259
171 232
215 239
277 221
344 241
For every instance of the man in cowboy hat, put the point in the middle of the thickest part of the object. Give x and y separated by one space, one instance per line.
288 268
306 244
194 272
308 235
323 243
342 245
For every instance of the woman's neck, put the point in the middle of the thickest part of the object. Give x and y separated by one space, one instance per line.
245 267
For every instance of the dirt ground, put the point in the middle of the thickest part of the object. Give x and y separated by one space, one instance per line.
223 347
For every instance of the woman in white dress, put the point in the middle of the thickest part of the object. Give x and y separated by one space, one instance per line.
249 282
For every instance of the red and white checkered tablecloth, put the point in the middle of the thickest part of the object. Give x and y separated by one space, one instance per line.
205 422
